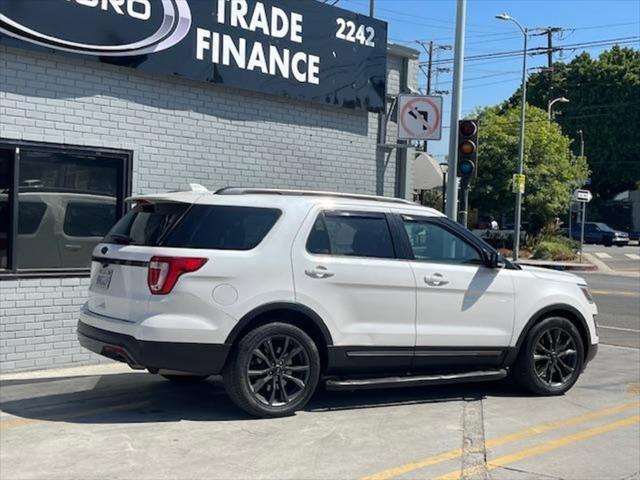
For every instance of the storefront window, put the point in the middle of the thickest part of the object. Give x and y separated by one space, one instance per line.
67 200
6 159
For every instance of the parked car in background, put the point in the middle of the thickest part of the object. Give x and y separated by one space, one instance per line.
600 234
58 228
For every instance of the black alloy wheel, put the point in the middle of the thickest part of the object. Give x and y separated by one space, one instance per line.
273 371
555 357
278 370
551 357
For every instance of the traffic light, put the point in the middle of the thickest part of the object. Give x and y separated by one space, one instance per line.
467 148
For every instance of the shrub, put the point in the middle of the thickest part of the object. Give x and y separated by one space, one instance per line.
558 249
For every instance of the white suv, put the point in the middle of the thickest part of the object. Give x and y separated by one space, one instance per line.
276 289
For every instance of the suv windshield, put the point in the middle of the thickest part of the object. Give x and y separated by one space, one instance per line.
146 224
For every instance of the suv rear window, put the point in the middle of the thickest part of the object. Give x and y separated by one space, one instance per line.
146 224
222 227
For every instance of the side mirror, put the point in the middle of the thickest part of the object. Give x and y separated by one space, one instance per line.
495 260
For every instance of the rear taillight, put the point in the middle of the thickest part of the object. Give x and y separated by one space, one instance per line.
165 271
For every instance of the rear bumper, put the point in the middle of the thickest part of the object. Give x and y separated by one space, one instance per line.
184 357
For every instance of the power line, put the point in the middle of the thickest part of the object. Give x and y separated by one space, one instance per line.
544 50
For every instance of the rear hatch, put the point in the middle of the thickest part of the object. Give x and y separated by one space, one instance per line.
119 266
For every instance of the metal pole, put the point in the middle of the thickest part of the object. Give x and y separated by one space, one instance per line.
570 215
372 7
584 214
464 209
516 240
444 192
456 104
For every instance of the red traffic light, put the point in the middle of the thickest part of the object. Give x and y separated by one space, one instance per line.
468 128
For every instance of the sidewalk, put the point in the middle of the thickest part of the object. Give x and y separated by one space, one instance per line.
587 266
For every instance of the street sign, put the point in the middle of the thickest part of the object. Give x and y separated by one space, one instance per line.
519 182
582 196
419 117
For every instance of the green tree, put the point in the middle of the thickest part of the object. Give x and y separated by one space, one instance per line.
604 96
551 169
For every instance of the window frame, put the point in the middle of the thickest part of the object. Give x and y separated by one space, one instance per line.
355 213
124 190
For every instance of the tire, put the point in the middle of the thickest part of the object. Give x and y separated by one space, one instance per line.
185 378
556 369
285 368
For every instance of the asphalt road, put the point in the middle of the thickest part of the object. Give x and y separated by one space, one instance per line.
621 259
618 300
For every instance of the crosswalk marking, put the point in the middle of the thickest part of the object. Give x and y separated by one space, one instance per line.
633 256
602 255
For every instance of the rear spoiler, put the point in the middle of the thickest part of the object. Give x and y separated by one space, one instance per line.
183 196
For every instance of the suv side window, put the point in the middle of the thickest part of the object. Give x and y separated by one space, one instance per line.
432 242
84 219
353 234
220 227
30 215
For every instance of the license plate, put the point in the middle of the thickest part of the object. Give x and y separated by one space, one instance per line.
103 279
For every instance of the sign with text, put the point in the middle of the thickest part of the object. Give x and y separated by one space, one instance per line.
518 183
582 196
300 49
419 117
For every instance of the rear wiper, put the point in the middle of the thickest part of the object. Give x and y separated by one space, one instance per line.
120 239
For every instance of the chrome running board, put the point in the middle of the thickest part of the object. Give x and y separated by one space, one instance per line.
415 380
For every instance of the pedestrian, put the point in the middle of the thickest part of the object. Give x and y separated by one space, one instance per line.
494 224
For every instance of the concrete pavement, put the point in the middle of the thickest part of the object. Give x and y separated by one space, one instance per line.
618 259
109 422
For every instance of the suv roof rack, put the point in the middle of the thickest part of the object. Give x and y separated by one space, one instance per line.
311 193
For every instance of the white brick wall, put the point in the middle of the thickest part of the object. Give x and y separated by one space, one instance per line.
179 132
38 323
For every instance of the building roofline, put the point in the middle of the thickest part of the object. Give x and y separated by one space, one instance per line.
402 51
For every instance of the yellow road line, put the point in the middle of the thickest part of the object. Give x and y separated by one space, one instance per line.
543 448
21 422
616 292
531 431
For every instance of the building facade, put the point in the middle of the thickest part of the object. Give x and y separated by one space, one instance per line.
77 137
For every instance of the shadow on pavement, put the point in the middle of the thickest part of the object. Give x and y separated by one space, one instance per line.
142 398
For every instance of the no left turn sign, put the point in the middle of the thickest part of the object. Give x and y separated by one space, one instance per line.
419 117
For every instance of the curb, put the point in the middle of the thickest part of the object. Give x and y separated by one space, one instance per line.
575 267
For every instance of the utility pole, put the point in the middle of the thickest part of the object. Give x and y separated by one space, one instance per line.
429 73
549 31
456 107
372 7
429 68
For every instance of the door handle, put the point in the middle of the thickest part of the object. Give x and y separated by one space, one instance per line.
318 272
436 280
72 247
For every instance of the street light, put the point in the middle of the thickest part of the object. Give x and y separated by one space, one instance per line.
554 101
581 143
525 33
444 167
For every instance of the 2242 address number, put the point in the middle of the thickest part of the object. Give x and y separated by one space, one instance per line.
349 31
